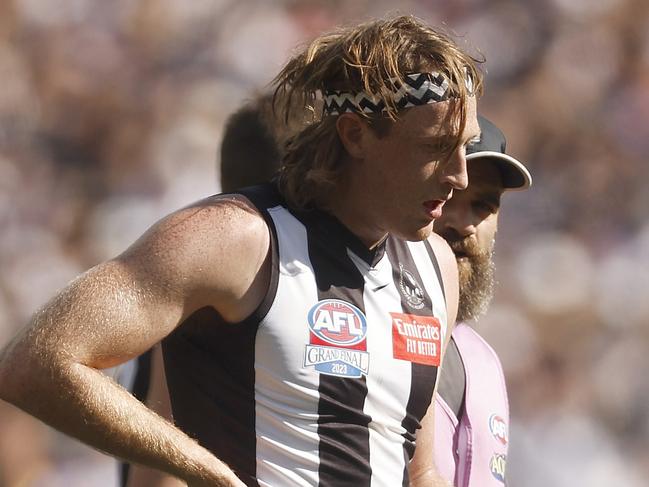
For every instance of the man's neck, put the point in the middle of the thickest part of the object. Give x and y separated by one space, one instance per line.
352 206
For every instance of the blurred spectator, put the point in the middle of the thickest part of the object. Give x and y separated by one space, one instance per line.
111 115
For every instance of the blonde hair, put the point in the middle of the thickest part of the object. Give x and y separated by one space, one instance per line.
371 58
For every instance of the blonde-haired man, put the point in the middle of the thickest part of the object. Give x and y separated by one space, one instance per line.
303 322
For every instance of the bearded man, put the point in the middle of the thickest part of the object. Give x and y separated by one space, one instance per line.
472 412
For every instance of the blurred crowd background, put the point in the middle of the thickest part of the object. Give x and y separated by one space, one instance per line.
111 114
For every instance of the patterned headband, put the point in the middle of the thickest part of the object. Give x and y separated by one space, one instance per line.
416 89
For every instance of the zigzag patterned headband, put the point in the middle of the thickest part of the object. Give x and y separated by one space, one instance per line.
416 89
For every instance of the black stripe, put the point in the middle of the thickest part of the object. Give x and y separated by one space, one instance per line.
452 383
210 369
438 271
342 425
266 196
140 390
423 377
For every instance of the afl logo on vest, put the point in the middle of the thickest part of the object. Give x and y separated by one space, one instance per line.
497 466
337 346
498 428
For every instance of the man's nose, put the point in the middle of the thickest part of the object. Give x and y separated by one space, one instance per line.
456 219
455 172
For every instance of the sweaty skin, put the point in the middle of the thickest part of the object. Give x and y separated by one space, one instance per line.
421 128
215 253
117 311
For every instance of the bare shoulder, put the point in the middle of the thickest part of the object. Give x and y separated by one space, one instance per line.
211 251
217 222
448 268
443 253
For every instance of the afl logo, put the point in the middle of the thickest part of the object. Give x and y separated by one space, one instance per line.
410 289
337 322
497 466
498 428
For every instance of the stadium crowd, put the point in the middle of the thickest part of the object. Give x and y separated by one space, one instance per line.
111 114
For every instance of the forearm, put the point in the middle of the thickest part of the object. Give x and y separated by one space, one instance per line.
84 403
422 469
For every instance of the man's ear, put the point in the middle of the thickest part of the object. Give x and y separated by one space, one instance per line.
354 133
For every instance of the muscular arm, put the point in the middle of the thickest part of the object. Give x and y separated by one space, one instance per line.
423 472
211 254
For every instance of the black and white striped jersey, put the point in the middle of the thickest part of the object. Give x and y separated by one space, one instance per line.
326 384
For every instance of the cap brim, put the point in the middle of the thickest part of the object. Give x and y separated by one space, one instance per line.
516 177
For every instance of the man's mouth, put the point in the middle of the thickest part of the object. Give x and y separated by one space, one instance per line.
460 252
434 208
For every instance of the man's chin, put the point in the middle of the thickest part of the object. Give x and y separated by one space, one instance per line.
476 280
415 235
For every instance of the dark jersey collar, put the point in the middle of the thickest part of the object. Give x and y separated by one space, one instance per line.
321 223
326 225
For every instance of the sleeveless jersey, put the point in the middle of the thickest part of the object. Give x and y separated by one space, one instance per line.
471 447
327 382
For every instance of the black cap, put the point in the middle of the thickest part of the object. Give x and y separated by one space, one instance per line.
492 146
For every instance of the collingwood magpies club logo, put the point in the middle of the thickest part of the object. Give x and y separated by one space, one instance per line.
410 288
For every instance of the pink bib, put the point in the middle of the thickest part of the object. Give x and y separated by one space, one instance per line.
471 451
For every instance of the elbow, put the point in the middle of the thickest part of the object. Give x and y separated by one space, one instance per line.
33 379
17 374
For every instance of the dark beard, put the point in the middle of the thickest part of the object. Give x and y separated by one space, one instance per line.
476 277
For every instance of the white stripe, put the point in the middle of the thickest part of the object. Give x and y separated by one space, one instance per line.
389 379
287 450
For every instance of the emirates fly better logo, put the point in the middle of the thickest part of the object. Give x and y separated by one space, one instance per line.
337 346
416 338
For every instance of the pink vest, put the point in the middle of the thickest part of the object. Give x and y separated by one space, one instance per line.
472 451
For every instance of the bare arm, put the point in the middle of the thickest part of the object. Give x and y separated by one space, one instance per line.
213 254
423 471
